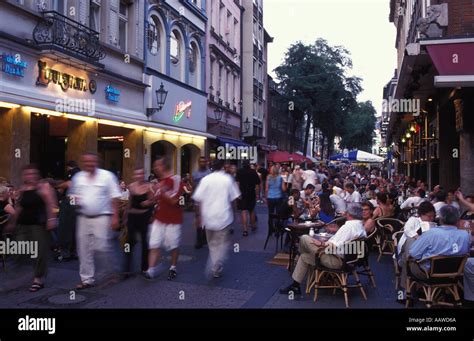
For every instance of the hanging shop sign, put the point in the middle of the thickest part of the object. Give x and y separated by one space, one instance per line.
112 94
64 80
13 65
182 109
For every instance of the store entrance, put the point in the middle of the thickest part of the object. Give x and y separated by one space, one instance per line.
163 148
48 144
189 159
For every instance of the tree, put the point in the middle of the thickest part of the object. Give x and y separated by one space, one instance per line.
313 80
359 127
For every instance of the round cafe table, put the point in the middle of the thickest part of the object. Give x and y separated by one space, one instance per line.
296 230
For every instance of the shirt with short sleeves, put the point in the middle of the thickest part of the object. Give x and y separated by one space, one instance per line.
94 195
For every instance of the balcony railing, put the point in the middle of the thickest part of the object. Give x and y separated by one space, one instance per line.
66 35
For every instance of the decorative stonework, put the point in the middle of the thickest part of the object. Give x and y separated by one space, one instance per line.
435 22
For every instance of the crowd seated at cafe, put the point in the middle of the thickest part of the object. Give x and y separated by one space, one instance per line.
309 247
443 240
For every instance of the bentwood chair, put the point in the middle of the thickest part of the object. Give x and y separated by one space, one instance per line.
326 278
444 276
276 228
387 227
3 223
398 271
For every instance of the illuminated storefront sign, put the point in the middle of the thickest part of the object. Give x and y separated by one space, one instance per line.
13 65
65 80
112 94
182 108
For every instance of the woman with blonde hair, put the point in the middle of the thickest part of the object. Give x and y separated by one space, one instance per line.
274 191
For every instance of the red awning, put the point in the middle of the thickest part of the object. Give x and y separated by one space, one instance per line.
452 56
279 156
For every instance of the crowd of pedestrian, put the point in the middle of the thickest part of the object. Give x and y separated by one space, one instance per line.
80 217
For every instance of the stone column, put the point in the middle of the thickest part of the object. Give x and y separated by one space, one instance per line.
133 152
448 142
466 143
15 130
81 137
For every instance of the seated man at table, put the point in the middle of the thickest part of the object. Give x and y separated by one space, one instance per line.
469 283
309 247
443 240
311 201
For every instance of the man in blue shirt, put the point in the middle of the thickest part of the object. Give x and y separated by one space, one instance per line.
445 240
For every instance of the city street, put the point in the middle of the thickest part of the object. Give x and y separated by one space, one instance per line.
248 282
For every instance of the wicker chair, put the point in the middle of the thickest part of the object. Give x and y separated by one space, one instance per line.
445 274
398 271
326 278
3 222
387 227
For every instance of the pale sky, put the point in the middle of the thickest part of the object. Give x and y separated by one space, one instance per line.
361 26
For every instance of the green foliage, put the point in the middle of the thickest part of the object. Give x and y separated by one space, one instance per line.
359 127
313 80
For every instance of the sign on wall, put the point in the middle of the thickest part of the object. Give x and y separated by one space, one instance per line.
13 65
182 109
112 94
64 80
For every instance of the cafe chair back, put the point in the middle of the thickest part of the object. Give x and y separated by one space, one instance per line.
443 277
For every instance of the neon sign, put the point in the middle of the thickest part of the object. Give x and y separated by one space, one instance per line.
182 108
13 65
112 94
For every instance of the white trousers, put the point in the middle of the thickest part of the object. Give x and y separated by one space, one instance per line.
94 237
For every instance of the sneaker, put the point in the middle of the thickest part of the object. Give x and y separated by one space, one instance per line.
148 276
172 274
296 290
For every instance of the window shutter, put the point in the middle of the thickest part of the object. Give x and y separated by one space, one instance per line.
114 23
83 12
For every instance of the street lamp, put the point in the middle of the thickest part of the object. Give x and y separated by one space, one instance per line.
218 113
161 94
246 125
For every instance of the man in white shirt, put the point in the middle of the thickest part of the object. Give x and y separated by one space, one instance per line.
414 201
351 194
96 192
309 247
309 177
216 193
441 196
339 204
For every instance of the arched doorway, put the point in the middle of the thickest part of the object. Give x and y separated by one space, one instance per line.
163 148
189 158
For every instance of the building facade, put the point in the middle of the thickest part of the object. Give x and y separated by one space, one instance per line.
71 81
255 42
283 131
224 73
175 61
435 43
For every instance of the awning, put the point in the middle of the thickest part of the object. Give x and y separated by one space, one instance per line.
232 142
453 61
357 155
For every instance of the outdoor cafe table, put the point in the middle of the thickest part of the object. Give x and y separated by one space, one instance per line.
296 230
